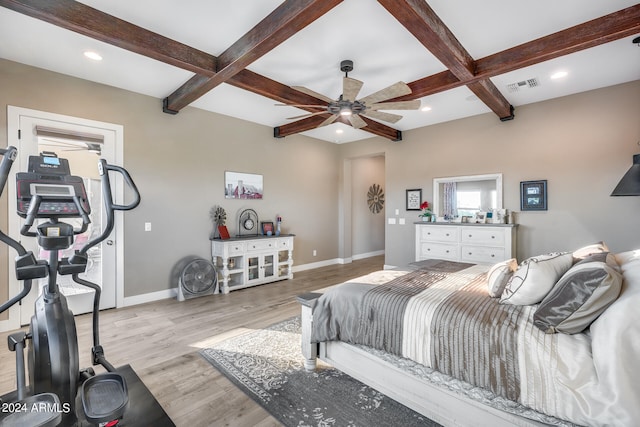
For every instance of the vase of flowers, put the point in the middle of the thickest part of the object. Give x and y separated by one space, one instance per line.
426 211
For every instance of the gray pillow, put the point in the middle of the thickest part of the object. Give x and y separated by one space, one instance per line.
578 298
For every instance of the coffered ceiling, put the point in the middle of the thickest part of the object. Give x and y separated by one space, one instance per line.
240 58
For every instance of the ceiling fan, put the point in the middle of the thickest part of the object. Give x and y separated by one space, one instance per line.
348 106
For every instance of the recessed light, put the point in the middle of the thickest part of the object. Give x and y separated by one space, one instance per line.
93 55
339 131
559 75
425 108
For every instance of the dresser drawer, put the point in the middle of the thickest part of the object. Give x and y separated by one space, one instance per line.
437 250
261 245
481 254
284 244
235 248
483 236
433 233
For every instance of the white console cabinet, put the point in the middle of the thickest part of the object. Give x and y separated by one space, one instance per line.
251 261
473 243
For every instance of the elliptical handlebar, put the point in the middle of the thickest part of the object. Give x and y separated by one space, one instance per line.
8 157
109 206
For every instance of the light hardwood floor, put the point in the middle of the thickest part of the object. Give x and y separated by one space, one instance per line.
160 340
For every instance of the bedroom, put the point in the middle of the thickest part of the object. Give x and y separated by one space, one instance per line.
582 144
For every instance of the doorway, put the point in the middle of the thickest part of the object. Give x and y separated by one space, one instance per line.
82 142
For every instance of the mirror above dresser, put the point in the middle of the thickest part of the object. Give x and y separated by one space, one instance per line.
460 196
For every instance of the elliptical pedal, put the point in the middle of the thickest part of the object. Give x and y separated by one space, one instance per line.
41 410
104 397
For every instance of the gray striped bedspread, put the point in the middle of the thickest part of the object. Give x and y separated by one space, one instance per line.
440 315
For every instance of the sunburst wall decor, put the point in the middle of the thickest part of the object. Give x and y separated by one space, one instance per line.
375 198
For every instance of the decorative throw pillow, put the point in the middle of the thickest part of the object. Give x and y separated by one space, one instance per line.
579 297
498 276
585 251
535 277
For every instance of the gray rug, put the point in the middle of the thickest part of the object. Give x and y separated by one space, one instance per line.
268 366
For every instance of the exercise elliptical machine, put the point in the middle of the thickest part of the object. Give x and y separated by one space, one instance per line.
59 393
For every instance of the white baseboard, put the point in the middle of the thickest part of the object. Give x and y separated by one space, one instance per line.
368 255
150 297
171 293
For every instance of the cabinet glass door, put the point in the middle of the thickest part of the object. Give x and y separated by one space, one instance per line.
253 268
268 266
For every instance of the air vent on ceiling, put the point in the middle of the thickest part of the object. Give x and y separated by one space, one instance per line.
523 85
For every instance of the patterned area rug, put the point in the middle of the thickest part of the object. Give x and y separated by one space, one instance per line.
268 366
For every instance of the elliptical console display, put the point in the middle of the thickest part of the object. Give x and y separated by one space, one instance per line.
50 181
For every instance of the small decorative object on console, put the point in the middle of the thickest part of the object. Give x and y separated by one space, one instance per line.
426 211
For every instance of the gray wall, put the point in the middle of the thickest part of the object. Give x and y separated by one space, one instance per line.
582 144
367 227
178 163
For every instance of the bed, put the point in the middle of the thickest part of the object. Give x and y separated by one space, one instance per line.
437 338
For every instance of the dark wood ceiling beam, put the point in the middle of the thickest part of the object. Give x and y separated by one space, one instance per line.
285 21
421 21
264 86
608 28
299 126
80 18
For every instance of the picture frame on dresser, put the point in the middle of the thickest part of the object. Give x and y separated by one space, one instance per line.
533 195
414 199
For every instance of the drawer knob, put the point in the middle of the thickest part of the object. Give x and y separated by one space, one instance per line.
447 234
469 235
493 237
429 233
428 249
492 256
469 253
447 250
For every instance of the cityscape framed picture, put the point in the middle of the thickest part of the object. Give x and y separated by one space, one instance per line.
533 195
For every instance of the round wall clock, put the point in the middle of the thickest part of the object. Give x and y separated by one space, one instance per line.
248 223
375 198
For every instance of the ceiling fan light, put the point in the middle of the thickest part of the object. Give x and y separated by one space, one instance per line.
345 111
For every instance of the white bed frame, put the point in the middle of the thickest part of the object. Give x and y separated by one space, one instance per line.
432 401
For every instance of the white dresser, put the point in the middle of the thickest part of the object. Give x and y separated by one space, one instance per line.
251 261
474 243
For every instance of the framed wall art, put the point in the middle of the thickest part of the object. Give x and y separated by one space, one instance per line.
266 228
533 195
414 199
238 185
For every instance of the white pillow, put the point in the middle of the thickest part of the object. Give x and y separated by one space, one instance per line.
585 251
498 276
535 277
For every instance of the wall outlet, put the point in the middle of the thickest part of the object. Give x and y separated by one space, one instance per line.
147 226
315 253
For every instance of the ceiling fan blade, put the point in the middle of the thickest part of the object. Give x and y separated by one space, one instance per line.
393 91
350 88
312 93
400 105
328 121
300 105
306 115
380 115
356 121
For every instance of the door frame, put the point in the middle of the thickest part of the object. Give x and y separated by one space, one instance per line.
13 138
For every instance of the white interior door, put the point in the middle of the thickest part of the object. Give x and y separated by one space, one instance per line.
83 160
